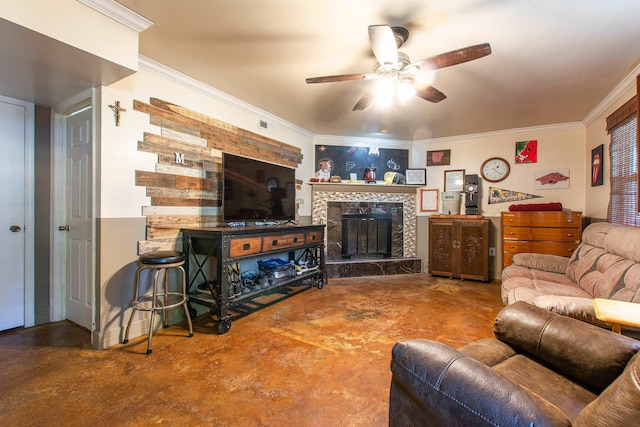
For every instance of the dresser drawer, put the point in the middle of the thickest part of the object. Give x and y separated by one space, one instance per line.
542 234
244 246
542 219
516 246
507 258
313 237
272 243
552 248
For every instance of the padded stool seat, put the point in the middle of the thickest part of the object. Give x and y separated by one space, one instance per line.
160 299
161 257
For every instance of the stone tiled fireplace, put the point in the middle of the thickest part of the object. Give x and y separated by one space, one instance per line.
359 241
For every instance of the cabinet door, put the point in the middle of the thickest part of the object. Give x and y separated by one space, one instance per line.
473 237
441 242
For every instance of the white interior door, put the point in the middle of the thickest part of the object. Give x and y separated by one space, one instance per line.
14 140
79 214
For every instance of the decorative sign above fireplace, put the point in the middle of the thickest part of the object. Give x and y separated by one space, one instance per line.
342 161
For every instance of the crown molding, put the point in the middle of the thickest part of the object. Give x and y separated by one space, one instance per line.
626 84
119 13
542 128
196 85
359 141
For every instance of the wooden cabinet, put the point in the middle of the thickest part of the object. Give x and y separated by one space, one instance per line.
459 246
555 233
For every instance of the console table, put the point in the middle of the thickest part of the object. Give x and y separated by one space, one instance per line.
232 245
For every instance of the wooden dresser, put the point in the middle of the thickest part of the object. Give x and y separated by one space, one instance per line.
543 232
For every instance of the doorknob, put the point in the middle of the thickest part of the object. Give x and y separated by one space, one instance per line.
15 229
63 228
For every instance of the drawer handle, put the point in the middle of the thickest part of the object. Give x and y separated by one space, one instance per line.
246 246
512 233
512 247
295 240
274 243
569 234
569 220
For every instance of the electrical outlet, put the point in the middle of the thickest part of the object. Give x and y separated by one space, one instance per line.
492 251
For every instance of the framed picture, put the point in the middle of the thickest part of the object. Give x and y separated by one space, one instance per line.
439 158
416 177
429 200
527 151
454 180
597 160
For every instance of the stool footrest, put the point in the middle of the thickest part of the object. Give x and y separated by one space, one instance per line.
148 299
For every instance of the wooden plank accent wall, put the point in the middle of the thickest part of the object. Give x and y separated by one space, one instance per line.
189 193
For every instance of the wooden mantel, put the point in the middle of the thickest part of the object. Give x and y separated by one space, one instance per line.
379 187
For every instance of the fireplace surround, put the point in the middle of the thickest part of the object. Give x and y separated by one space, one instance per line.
397 202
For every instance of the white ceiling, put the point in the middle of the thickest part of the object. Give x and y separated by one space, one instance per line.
553 61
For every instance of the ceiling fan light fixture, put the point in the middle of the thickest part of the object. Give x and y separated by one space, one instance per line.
385 90
405 90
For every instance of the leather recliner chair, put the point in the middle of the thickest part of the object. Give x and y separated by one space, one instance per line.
541 369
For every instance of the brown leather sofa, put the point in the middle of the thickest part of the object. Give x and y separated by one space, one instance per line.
541 369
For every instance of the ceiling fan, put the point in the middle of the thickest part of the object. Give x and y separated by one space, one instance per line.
396 70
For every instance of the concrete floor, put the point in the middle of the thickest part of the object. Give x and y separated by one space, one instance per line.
319 358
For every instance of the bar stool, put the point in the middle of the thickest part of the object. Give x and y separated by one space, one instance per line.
159 300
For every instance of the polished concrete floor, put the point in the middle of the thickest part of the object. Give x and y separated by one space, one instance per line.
319 358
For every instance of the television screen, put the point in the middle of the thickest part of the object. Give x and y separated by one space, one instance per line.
257 191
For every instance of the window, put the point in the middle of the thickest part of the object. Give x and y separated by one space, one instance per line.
623 200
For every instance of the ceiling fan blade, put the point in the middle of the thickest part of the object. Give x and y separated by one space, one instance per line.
383 44
454 57
430 93
338 78
343 78
363 102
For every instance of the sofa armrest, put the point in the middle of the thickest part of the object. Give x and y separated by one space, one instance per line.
576 307
586 353
545 262
434 384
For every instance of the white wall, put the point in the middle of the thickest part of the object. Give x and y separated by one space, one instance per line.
560 146
120 156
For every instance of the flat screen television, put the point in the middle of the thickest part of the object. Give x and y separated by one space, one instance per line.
254 190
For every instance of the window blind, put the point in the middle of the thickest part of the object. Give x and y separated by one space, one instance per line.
623 201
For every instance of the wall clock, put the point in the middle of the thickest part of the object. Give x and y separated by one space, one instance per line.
495 169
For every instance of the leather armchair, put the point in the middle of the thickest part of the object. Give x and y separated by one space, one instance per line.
541 369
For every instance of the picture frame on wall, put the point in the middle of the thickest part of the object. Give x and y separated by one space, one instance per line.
439 158
416 177
454 180
527 151
597 163
429 200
